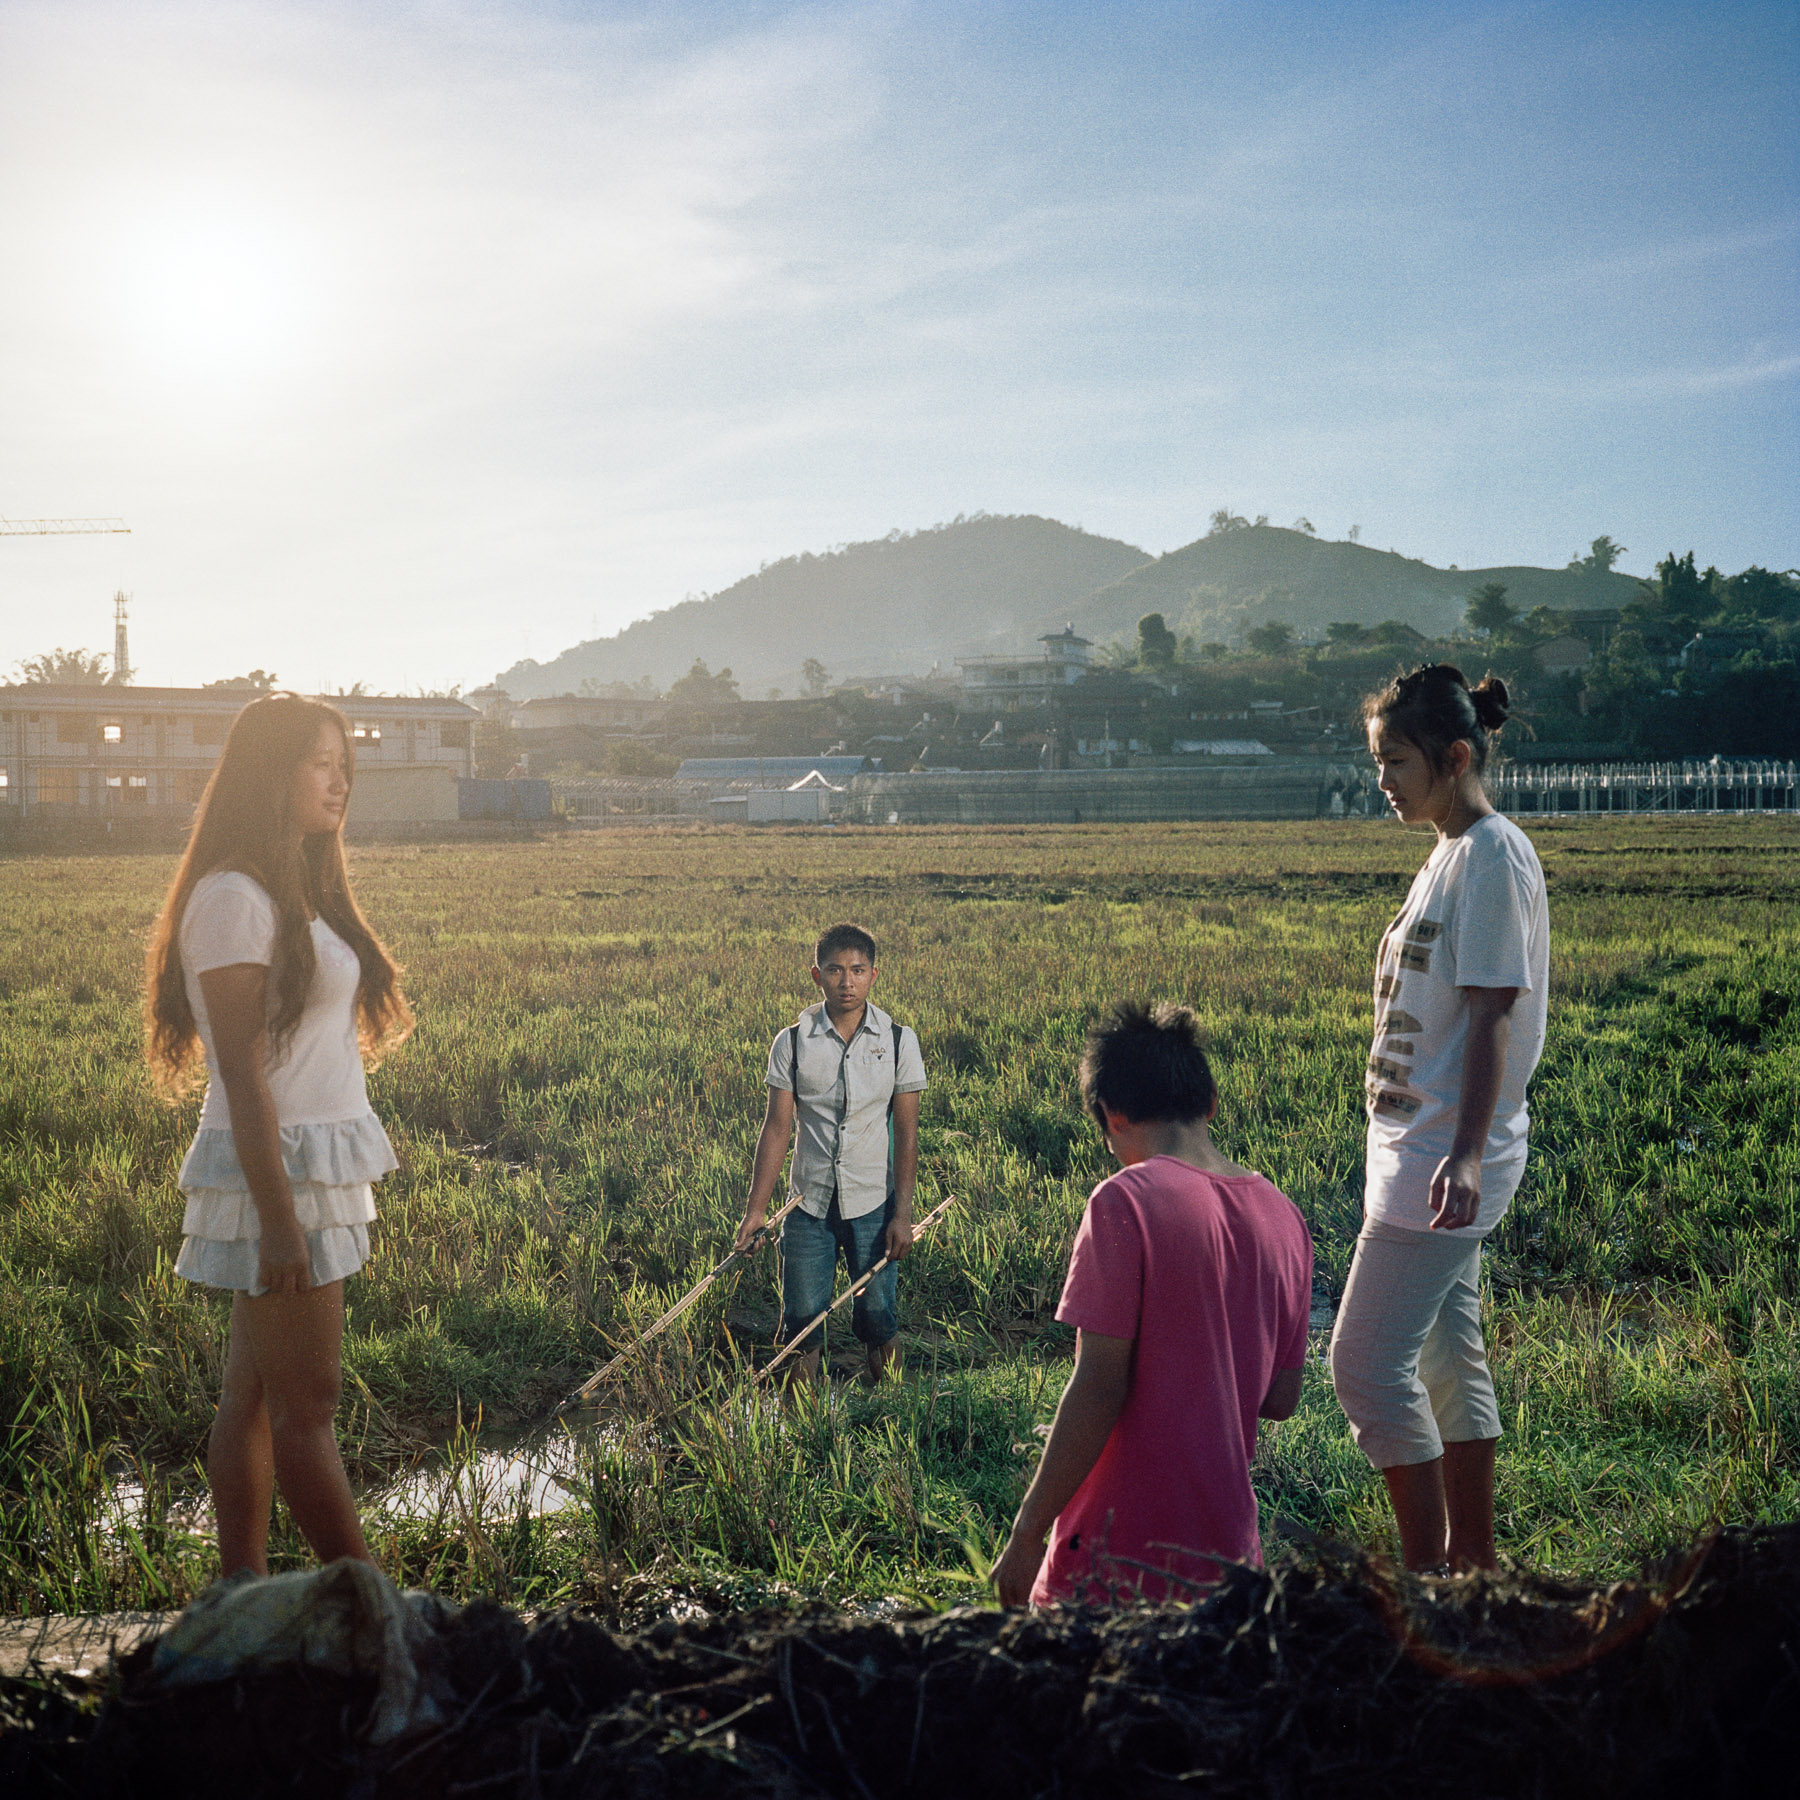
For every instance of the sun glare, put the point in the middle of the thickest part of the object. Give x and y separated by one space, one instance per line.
219 297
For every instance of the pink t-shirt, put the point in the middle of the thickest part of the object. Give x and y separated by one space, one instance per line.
1212 1275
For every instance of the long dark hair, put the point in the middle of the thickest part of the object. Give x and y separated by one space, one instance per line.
245 823
1434 707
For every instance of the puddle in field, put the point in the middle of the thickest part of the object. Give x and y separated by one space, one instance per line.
503 1475
126 1508
506 1474
495 1481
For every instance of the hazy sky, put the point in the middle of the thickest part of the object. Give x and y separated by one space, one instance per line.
413 338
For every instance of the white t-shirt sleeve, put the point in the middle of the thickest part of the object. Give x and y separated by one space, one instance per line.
1490 930
781 1063
909 1064
229 919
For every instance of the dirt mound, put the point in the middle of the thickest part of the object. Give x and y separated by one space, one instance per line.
1320 1678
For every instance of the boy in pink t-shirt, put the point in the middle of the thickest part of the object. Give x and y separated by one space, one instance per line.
1190 1287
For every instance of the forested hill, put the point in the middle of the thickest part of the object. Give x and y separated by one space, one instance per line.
891 606
1245 575
899 604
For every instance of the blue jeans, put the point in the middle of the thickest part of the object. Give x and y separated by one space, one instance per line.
809 1253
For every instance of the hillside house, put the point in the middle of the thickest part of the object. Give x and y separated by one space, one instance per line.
1563 655
1010 682
1714 646
1595 625
591 712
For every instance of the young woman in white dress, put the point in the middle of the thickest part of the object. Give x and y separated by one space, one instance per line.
262 965
1460 983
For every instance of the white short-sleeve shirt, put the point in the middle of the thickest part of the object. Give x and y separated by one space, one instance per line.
841 1103
230 918
1476 916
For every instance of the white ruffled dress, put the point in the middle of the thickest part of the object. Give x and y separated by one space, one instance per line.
331 1141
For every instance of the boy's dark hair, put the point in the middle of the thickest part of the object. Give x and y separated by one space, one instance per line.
1434 707
1147 1063
843 937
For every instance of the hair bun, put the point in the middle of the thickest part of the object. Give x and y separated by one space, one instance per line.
1492 704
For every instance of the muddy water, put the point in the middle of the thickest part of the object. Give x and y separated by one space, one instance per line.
498 1478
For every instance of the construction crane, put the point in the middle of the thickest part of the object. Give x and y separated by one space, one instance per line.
60 527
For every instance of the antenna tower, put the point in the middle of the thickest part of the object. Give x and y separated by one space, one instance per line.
121 669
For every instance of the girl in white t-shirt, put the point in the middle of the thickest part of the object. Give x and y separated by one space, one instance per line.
1460 984
263 966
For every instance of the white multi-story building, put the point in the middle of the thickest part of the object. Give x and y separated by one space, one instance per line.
77 751
1014 681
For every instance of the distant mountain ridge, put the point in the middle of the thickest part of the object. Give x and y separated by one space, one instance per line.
1219 585
891 606
993 582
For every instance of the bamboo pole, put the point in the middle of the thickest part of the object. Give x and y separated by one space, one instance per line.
674 1312
850 1293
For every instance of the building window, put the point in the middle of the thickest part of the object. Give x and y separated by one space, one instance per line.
137 789
5 785
112 734
193 785
210 728
455 735
366 734
73 728
59 787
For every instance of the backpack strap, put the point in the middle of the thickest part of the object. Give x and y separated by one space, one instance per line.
794 1057
892 1097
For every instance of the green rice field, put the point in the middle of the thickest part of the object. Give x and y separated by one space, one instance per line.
574 1120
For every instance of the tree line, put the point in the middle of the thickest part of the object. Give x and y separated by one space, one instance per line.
1697 663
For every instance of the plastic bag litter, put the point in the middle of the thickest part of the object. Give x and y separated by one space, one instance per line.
348 1619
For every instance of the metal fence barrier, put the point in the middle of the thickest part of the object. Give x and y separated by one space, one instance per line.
1720 785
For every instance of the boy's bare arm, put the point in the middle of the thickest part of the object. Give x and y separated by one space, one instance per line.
765 1166
1085 1416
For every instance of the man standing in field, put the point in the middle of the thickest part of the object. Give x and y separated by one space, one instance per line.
1190 1288
842 1070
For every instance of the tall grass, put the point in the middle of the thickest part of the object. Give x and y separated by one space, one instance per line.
575 1118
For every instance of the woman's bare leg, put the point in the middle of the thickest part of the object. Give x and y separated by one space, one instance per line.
240 1462
296 1342
1469 1502
1445 1507
1417 1493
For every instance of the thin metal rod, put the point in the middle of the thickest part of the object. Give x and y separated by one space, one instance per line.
850 1293
675 1311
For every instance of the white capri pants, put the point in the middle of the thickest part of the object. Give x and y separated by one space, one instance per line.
1407 1358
